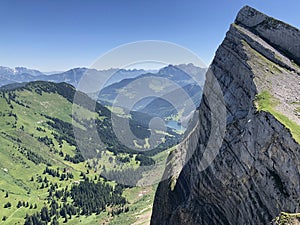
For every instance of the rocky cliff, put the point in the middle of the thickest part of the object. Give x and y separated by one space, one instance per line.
255 173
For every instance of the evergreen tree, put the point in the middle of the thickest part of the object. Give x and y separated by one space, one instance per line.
54 221
7 205
19 205
29 221
45 214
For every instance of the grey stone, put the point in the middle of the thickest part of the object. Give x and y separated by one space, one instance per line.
255 175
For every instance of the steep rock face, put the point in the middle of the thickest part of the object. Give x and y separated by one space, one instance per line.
255 174
279 34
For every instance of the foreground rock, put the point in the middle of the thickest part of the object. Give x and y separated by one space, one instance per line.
255 175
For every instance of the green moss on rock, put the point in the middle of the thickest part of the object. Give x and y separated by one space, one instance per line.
266 102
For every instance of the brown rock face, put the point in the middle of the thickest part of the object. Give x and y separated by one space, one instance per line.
255 175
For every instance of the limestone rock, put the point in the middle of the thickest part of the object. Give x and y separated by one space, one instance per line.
255 175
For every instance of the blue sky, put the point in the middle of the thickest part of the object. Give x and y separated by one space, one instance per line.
52 35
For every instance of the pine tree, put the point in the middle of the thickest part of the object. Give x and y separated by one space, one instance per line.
7 205
19 205
29 221
54 221
63 212
45 214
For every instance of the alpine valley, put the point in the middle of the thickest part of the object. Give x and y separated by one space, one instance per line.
52 168
63 161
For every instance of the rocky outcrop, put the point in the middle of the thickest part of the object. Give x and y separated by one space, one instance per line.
281 35
255 174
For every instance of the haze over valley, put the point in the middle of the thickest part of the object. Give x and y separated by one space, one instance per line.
155 113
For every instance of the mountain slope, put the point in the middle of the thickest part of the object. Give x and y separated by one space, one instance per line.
256 173
187 78
72 76
42 159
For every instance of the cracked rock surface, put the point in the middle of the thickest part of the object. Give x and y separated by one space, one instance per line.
255 175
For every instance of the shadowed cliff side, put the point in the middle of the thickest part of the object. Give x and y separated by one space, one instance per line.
255 175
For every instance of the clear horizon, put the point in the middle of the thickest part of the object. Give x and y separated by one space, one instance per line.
61 35
152 67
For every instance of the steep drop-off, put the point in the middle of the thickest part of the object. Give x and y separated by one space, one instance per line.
255 175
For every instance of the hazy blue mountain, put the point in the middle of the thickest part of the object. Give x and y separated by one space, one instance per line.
17 75
18 71
168 84
181 75
22 74
184 74
72 76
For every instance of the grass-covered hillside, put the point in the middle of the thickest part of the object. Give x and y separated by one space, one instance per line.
277 80
45 178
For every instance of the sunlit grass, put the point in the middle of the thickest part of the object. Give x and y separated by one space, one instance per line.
266 102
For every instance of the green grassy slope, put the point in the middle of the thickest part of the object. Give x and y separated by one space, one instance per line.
266 102
30 141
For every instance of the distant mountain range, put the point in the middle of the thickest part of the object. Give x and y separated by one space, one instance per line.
72 76
172 80
168 85
19 71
